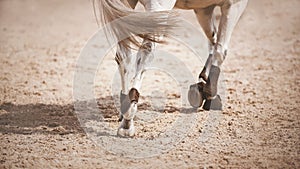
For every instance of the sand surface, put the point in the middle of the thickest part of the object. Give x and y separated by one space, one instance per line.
40 43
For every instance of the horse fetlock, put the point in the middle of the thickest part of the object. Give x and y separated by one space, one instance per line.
219 57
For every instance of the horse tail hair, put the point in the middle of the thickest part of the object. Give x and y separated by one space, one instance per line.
128 29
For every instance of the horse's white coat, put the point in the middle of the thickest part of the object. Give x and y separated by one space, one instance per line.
218 37
158 5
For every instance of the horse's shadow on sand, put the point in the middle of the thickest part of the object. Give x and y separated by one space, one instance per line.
59 119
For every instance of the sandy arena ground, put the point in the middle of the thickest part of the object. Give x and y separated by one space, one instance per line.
40 42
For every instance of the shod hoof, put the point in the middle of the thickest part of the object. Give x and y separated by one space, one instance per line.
195 95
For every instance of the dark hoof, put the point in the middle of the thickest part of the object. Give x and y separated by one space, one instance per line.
195 95
214 104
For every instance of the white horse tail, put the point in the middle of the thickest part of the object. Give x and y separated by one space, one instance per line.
129 25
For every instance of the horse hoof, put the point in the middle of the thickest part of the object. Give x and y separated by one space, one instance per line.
126 129
214 104
195 95
126 132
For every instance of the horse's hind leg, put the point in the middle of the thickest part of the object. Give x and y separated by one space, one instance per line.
123 58
144 56
129 101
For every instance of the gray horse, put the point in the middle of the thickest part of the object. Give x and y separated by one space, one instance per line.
159 16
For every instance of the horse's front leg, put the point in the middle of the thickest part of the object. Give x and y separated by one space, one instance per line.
206 20
231 12
207 87
204 90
